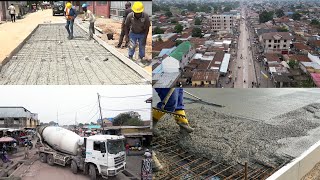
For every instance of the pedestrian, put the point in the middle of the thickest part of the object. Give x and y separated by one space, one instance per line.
70 15
12 12
26 151
124 33
137 25
127 148
88 16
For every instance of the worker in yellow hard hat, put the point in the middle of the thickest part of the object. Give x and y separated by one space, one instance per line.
70 14
137 26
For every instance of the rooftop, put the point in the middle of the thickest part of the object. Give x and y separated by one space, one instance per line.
181 50
207 75
277 35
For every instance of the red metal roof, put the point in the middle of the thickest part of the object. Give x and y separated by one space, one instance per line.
316 78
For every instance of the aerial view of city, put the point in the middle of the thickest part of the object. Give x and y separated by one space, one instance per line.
236 44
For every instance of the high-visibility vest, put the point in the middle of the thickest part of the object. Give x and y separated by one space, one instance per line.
68 14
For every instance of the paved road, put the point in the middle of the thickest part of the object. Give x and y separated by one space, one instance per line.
245 74
40 171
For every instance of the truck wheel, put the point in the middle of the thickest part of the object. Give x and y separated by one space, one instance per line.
92 172
74 167
50 160
43 157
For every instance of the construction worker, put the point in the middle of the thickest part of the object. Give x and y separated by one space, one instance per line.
137 26
88 16
70 15
12 12
123 31
172 101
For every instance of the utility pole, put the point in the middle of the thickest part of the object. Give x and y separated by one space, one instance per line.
57 118
102 125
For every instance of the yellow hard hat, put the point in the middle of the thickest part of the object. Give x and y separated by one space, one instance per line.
69 5
137 7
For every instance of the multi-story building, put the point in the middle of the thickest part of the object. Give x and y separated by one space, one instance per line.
276 42
222 23
17 117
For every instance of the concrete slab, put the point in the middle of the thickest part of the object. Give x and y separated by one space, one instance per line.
49 58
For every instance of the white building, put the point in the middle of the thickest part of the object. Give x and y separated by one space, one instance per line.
222 23
276 42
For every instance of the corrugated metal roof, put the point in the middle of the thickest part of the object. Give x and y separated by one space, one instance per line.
14 112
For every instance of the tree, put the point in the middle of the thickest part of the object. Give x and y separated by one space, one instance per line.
296 16
293 64
265 16
197 21
80 125
178 42
196 32
282 29
158 30
192 7
52 123
227 9
126 120
279 13
183 13
160 39
315 22
174 21
178 28
168 14
155 7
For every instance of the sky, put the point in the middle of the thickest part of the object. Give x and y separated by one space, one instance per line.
77 103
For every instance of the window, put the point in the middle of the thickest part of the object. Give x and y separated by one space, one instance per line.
230 24
278 46
16 121
224 20
270 41
96 145
275 41
269 45
274 47
224 17
284 45
1 120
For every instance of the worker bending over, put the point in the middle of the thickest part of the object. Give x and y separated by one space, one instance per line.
137 26
88 16
70 15
124 32
172 101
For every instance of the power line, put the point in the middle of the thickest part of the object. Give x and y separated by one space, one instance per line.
61 114
142 95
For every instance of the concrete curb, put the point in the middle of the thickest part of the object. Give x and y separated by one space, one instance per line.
142 72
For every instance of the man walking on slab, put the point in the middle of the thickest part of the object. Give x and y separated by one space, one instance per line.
70 15
12 12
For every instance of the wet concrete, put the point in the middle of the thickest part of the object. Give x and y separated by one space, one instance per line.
256 125
48 58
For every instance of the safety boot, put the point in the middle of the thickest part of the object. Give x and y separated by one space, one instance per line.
183 121
156 116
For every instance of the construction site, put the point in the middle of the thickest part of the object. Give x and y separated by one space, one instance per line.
240 134
44 56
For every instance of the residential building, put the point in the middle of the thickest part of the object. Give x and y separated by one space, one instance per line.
183 53
17 117
205 78
222 23
276 42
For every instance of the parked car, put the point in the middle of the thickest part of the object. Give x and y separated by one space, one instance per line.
58 8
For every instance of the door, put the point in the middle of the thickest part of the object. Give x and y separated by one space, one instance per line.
99 153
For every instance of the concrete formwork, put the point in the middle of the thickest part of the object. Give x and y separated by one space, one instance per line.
47 57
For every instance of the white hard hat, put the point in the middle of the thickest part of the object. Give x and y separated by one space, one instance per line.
147 154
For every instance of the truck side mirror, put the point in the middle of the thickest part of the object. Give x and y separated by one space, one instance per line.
103 147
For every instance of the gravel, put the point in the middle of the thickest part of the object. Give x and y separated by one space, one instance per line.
227 138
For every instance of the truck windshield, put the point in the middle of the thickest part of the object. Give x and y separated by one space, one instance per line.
115 146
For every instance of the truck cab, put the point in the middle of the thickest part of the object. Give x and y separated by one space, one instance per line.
106 153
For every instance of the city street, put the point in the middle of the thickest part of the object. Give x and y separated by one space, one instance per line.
245 73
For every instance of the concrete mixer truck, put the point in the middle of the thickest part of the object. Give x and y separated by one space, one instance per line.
95 155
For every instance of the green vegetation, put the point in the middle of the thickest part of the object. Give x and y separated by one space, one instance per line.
282 29
279 13
265 16
178 28
158 30
296 16
196 32
293 64
183 13
178 42
315 22
168 14
197 21
126 120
